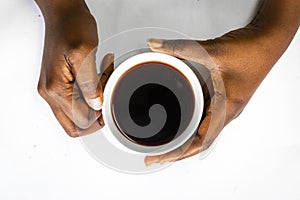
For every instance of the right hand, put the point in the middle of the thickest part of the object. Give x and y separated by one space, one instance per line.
68 80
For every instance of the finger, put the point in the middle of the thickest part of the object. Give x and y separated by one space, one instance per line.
83 64
168 157
191 148
204 138
191 50
195 148
184 49
75 107
209 129
67 124
213 123
178 153
70 127
107 67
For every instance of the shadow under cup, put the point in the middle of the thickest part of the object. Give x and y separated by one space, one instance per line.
153 104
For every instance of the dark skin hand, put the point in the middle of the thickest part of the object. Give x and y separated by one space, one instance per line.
68 80
242 60
70 84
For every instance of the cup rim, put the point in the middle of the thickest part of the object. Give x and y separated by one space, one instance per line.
112 132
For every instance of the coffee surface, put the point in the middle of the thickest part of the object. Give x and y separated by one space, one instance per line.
152 103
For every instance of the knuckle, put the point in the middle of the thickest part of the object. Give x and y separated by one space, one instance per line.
206 145
72 132
41 90
214 47
237 102
178 46
51 89
220 95
79 52
235 107
84 121
84 124
89 88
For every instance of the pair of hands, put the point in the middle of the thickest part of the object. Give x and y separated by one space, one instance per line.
70 84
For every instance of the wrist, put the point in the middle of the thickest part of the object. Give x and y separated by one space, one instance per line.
278 13
274 27
57 9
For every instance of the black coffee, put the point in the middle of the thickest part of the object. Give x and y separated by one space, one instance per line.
152 103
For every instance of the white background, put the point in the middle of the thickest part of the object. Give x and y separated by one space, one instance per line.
257 156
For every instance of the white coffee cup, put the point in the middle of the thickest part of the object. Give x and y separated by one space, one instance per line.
111 130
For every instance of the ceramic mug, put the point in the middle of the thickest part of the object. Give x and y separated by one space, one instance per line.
138 99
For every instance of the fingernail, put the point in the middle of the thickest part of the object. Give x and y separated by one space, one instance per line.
101 122
155 43
147 162
95 103
110 56
150 160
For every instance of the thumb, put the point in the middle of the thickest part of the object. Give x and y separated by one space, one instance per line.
191 50
84 68
185 49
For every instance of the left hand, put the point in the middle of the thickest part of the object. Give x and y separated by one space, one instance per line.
238 62
218 110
